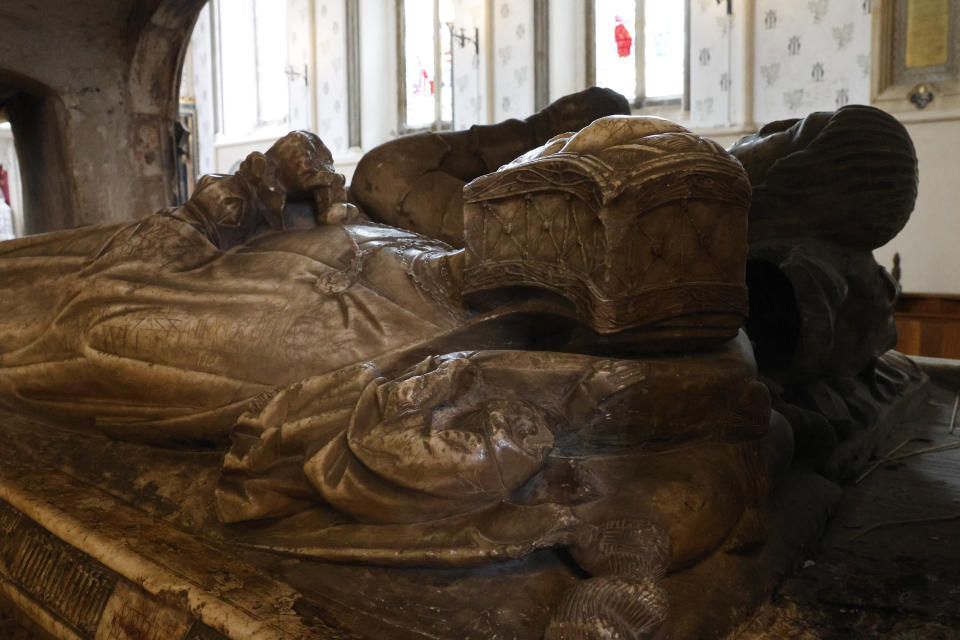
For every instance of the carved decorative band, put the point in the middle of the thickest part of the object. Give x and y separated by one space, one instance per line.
67 582
639 308
82 593
598 183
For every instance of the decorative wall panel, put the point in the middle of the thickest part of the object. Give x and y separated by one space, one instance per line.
468 83
810 56
715 65
513 66
331 88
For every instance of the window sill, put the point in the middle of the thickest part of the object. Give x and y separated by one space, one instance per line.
257 137
673 112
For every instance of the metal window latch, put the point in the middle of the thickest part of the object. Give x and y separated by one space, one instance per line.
462 38
293 74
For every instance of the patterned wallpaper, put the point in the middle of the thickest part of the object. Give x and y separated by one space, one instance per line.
716 58
299 63
810 55
468 84
513 59
331 85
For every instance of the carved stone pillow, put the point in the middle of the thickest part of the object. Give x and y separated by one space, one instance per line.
633 221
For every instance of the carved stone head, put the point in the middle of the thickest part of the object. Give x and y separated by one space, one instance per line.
848 176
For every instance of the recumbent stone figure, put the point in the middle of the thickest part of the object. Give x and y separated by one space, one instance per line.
574 377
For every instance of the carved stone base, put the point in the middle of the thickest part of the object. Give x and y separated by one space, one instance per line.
102 551
93 549
71 595
82 563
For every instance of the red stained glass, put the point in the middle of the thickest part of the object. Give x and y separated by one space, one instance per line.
623 38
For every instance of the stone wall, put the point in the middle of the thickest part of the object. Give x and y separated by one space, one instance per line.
91 92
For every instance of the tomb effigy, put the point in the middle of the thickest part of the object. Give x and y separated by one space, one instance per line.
485 396
827 190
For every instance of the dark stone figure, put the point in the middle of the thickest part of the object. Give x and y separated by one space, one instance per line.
827 190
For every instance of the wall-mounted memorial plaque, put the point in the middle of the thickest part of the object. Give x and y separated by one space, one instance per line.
928 33
916 54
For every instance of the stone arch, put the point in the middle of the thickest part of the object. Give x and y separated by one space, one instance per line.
91 89
155 69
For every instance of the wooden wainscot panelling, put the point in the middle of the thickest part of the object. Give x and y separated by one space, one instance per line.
928 324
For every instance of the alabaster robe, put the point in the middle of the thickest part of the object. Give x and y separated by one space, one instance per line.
148 331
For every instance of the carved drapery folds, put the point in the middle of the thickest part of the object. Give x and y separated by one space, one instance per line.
574 378
633 231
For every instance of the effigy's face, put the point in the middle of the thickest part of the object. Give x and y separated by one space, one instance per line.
304 164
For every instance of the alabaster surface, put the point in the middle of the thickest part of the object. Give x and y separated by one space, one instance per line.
416 181
510 356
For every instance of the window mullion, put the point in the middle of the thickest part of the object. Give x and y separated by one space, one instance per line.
402 65
437 68
354 96
639 52
685 96
591 22
216 66
256 62
541 53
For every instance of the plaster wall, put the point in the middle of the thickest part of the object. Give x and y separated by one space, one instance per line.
331 76
929 245
469 65
719 77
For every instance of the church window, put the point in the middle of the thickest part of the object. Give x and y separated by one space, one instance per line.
252 65
639 49
426 67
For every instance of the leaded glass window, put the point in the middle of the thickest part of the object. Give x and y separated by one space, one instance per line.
426 64
639 48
